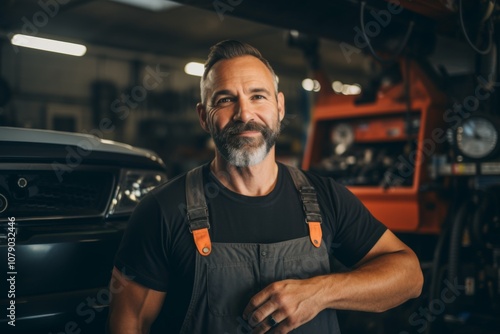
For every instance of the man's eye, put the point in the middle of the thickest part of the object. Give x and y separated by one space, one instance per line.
259 97
224 100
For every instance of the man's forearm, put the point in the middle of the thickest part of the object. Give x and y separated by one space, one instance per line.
376 286
124 326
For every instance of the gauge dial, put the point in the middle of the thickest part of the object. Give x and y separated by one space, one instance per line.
477 137
343 134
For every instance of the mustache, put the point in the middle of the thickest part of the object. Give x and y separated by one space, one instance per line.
235 128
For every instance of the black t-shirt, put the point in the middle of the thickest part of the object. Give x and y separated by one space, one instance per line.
158 250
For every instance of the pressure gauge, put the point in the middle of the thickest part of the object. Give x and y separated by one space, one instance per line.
477 137
343 134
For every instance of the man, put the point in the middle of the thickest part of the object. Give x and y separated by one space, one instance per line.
243 244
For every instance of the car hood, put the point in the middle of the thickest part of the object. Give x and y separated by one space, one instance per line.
85 141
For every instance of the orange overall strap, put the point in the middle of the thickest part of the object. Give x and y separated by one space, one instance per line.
309 204
202 241
315 233
197 211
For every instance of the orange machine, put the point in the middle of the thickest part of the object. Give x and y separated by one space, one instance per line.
381 150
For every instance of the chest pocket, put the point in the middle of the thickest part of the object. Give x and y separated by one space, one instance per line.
230 288
235 272
306 266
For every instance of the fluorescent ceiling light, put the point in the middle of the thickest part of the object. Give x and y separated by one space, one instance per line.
154 5
194 68
48 45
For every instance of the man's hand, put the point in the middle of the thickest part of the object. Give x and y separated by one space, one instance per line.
388 275
291 303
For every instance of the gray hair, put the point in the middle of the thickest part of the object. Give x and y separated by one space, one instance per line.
229 49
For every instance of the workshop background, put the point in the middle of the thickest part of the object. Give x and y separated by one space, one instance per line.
395 99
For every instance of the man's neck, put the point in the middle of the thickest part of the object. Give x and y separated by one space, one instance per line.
257 180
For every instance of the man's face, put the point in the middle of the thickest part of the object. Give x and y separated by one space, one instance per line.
243 111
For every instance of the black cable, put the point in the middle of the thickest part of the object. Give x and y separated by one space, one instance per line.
456 241
486 207
462 25
368 43
451 217
409 125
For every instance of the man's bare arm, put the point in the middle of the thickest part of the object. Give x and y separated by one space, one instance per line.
133 307
387 276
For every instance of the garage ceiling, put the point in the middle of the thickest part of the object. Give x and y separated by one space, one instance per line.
187 30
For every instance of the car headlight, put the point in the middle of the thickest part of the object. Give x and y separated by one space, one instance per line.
132 187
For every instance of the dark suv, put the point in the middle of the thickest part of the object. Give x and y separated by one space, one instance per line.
64 202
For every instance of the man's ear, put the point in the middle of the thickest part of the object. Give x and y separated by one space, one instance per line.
202 116
281 106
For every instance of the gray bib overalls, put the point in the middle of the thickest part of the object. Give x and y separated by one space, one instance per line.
227 275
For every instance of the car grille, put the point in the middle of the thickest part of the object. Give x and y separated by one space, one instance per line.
32 194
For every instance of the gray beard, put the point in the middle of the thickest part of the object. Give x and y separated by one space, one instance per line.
242 151
241 157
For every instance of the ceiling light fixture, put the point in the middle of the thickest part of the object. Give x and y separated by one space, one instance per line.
308 84
194 68
355 89
154 5
50 45
337 86
311 85
346 89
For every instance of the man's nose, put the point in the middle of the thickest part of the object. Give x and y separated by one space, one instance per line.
244 111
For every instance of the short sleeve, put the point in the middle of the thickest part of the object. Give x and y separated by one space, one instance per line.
141 255
357 231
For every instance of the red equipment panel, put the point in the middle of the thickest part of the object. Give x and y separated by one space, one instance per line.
378 127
